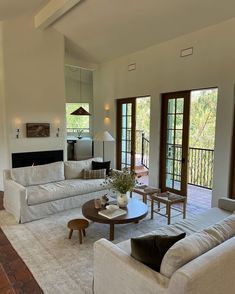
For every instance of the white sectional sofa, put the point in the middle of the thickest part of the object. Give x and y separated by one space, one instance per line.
35 192
211 268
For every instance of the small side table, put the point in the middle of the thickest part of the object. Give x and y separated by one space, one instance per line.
79 225
168 199
145 191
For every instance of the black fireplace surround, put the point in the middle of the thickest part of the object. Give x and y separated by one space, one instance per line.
36 158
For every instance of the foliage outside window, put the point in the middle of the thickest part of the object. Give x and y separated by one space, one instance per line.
203 118
77 122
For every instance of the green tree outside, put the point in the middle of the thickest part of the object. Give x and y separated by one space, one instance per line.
203 118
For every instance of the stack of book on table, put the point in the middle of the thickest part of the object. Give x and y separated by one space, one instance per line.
112 213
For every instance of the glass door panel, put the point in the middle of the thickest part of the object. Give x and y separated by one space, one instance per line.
174 149
125 133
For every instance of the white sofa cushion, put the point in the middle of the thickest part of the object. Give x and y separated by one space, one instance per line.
63 189
196 244
40 174
74 169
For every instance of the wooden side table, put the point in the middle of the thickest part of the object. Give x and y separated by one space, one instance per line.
169 199
79 225
144 191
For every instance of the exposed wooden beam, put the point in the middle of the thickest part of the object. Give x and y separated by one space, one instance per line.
53 11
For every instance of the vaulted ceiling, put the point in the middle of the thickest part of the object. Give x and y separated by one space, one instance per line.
15 8
100 30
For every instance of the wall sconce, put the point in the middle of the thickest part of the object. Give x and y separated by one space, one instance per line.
58 132
17 123
57 127
107 113
17 133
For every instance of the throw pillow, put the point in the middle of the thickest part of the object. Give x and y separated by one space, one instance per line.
94 174
151 249
101 165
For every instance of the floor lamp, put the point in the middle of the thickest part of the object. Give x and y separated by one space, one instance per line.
104 137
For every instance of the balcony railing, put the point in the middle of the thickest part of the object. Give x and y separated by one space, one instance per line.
145 152
200 168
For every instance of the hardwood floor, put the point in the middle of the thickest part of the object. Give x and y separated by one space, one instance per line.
15 277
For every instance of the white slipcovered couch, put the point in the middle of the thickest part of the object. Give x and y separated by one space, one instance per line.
211 269
35 192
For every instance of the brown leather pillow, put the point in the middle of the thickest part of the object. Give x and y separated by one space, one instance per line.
151 249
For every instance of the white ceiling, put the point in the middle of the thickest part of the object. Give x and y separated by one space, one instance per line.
100 30
15 8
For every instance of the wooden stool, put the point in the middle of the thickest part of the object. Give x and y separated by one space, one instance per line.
80 225
169 199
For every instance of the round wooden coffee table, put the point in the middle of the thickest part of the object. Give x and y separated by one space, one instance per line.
136 210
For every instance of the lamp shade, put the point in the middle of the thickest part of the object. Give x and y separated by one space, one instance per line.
104 137
80 111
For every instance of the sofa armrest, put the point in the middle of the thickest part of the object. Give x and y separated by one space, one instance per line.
211 272
15 197
118 273
227 204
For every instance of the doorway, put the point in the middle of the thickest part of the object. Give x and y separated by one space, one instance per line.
187 148
133 135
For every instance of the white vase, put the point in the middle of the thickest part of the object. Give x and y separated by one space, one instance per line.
122 200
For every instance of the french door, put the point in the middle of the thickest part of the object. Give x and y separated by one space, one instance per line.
174 142
126 128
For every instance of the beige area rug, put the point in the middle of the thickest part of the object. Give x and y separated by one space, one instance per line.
61 265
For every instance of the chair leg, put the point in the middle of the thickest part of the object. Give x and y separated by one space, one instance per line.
152 207
169 213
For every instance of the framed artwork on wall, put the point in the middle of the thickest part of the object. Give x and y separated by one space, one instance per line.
37 130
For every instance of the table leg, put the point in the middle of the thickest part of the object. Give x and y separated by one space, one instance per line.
168 213
84 232
152 207
145 198
70 234
111 232
131 194
158 205
184 209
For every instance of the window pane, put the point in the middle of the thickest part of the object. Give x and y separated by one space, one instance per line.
178 137
129 108
170 136
171 121
123 109
169 151
124 121
180 105
169 166
77 122
171 106
179 121
169 181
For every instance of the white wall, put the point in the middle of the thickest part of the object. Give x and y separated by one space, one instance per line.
34 84
78 85
160 69
3 140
